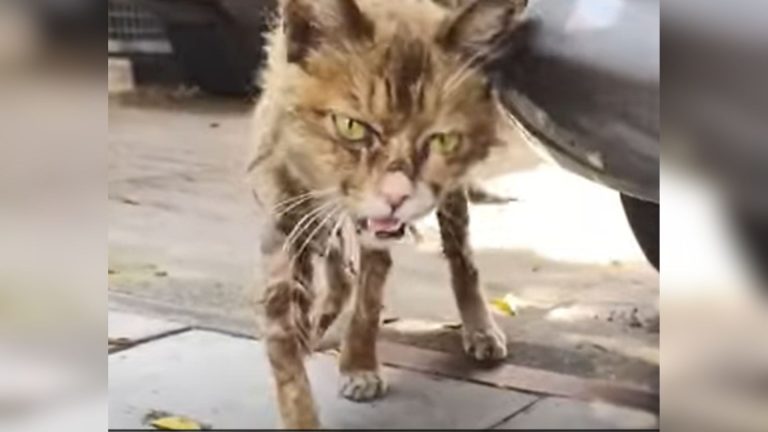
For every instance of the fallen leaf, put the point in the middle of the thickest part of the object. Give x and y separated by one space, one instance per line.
176 423
508 305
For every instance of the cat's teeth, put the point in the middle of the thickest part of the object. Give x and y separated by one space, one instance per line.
385 225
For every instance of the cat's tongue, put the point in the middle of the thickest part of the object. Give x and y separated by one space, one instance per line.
388 228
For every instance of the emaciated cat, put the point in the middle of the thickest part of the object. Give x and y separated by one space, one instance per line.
371 116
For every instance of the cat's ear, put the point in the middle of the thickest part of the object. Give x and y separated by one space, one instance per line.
309 23
477 24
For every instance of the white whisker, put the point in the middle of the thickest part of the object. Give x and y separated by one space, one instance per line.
296 201
328 216
305 222
334 233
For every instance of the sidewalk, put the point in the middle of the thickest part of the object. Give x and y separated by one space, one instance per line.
224 382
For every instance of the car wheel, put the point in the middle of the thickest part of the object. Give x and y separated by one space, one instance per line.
643 217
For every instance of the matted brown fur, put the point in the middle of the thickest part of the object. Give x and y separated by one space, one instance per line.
406 69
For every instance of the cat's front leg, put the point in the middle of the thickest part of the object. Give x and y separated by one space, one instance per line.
483 340
287 300
360 375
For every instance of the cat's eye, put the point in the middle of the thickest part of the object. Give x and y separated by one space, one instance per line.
350 129
445 143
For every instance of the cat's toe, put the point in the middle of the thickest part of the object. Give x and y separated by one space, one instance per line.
488 344
362 386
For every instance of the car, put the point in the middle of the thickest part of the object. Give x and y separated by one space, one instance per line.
216 45
583 81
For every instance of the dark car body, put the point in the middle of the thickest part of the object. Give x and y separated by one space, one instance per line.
219 43
585 85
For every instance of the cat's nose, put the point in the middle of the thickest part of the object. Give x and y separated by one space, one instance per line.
395 188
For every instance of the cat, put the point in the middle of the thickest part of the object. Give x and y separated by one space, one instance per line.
371 116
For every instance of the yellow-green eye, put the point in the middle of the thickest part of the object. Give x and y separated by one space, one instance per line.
445 143
350 129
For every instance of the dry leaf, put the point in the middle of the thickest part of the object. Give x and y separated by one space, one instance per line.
176 423
508 305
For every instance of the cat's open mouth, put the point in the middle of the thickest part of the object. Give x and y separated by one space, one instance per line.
384 228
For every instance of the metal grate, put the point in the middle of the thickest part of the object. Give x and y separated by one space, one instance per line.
133 29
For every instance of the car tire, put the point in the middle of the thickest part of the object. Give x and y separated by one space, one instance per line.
643 217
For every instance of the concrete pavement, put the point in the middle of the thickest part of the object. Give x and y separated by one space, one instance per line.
224 382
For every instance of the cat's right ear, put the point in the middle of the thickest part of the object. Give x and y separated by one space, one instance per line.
474 25
310 23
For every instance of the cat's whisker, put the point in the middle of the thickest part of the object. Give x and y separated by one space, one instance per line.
305 222
293 202
333 212
334 233
300 230
293 198
330 215
313 193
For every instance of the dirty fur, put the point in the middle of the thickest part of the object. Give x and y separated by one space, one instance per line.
407 69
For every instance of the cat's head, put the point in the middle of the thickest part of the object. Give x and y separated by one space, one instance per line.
386 101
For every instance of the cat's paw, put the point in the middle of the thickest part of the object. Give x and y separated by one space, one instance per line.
362 386
486 344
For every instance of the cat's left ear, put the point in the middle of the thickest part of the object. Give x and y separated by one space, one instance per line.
310 23
477 25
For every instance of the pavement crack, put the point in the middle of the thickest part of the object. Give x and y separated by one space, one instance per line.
516 413
123 344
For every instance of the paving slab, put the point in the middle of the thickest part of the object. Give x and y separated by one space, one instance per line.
126 329
560 413
225 382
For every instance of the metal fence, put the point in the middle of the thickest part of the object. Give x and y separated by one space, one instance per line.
132 29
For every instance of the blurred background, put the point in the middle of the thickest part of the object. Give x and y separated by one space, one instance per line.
53 217
169 138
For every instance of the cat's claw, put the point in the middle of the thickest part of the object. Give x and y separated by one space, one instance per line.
362 386
487 344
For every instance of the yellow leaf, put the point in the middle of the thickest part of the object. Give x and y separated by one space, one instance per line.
176 423
507 305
